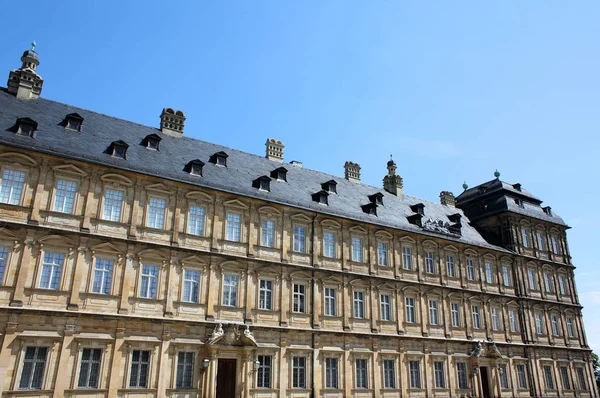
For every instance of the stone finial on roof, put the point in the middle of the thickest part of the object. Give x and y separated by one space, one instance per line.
497 174
447 199
274 150
465 186
352 171
24 82
172 122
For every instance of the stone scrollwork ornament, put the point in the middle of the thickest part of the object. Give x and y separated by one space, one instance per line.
216 334
478 350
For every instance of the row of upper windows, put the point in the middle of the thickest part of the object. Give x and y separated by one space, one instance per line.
540 238
187 372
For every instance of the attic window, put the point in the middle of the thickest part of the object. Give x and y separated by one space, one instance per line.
419 208
118 149
547 210
26 127
151 141
370 208
519 202
73 121
279 174
263 183
329 186
219 159
415 219
376 198
455 218
321 197
517 187
194 167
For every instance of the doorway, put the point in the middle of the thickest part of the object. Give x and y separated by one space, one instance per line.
226 378
485 382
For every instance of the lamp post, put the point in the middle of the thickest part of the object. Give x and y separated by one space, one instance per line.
205 364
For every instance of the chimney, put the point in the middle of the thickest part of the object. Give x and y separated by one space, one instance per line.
392 182
352 171
24 82
447 199
274 149
172 122
297 163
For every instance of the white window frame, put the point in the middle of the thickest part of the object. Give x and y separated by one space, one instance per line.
386 306
506 275
148 275
299 245
196 220
383 254
13 184
233 226
194 286
439 373
357 249
267 232
329 244
407 261
451 265
410 310
470 269
455 314
103 273
389 373
112 208
476 313
265 294
68 196
414 374
358 304
139 372
299 298
434 316
430 262
54 269
489 273
156 215
299 367
539 323
525 237
495 319
230 295
532 279
330 307
331 368
361 367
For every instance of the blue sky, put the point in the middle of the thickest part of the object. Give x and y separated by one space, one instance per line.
453 89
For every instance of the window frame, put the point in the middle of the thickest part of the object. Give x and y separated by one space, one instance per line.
161 221
389 380
268 232
429 257
266 304
198 288
361 373
41 264
383 248
157 277
439 375
266 381
298 381
238 230
470 265
104 272
110 187
329 245
55 190
356 249
410 310
328 300
89 372
302 304
407 257
139 372
476 315
24 184
229 295
299 240
359 298
185 366
196 223
415 383
455 315
434 312
331 382
22 361
451 265
386 307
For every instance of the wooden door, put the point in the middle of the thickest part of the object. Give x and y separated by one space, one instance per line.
226 378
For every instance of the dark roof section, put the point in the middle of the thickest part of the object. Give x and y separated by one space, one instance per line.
242 168
496 196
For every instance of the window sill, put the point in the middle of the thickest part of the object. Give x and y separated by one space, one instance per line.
110 222
60 214
52 292
86 390
99 295
137 390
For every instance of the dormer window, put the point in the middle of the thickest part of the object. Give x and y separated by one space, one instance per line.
219 159
517 187
370 208
73 121
547 210
321 197
329 186
415 219
279 174
376 198
194 167
519 202
419 208
263 183
151 141
26 127
455 218
118 149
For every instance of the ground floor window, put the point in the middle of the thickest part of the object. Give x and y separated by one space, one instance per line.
263 376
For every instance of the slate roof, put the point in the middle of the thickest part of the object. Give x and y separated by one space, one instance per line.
98 131
500 197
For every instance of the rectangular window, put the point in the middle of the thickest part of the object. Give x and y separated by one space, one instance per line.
361 373
506 275
382 254
495 319
548 283
433 312
450 263
329 244
389 379
64 197
470 269
34 366
196 221
410 310
191 285
230 286
503 376
531 278
52 266
149 283
407 257
386 308
3 260
525 237
476 317
359 304
263 376
113 203
330 302
265 300
540 241
140 365
564 378
555 248
233 227
455 310
429 263
103 270
89 368
548 378
299 239
299 372
185 370
299 298
156 212
489 273
357 250
267 236
331 373
539 325
11 188
522 376
570 327
461 369
555 325
514 322
414 368
562 285
581 379
440 377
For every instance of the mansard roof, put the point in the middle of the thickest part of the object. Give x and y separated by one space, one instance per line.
242 168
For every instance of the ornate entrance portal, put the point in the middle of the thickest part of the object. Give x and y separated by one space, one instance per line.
487 366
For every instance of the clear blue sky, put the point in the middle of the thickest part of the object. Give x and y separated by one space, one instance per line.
453 89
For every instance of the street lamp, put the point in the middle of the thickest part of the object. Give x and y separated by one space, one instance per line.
205 363
256 365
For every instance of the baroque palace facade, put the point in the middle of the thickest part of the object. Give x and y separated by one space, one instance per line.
137 262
